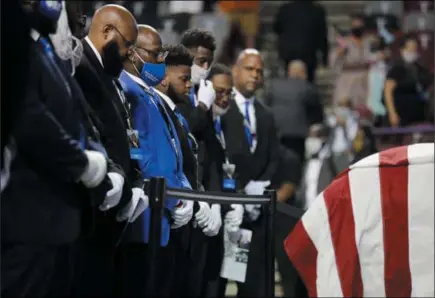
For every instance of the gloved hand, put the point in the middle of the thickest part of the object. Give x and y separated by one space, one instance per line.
213 226
206 93
253 211
256 187
138 203
182 215
203 216
234 218
95 171
113 196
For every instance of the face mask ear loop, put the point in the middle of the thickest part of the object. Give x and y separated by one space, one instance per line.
134 65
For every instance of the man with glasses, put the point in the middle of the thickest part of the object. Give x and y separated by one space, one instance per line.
112 34
158 154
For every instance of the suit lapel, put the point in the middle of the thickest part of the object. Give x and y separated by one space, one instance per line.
261 125
235 129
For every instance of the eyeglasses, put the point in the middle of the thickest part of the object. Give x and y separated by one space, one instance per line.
157 55
128 44
223 92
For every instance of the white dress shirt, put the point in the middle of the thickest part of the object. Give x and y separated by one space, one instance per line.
97 54
240 101
166 98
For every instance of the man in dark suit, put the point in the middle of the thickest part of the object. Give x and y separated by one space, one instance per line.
43 205
112 34
201 45
253 146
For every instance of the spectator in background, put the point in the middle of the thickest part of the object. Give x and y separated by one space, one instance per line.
405 86
245 13
296 106
351 61
302 31
377 73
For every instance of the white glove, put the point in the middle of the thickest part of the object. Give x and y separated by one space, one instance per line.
96 169
138 203
234 218
114 195
213 226
253 211
182 215
203 216
206 93
256 187
233 234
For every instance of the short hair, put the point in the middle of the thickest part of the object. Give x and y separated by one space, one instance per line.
194 38
177 55
218 69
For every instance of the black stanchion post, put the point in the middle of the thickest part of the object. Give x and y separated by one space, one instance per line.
156 194
269 243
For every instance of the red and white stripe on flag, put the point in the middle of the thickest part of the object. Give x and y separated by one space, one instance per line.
371 232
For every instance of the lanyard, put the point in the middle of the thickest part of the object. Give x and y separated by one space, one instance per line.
156 100
221 137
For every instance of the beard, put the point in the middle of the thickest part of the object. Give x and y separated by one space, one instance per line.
112 60
177 98
219 111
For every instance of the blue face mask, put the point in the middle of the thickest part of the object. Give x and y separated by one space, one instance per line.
153 73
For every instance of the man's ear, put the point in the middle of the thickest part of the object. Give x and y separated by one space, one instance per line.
107 29
165 82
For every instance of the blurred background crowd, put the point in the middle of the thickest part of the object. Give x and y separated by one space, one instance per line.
342 77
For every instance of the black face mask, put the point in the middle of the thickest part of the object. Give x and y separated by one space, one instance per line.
112 60
358 31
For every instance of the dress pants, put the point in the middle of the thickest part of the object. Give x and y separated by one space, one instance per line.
30 270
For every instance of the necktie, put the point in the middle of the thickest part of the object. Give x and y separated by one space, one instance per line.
247 124
218 130
192 96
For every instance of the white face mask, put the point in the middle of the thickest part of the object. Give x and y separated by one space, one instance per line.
410 57
312 146
198 73
67 46
218 111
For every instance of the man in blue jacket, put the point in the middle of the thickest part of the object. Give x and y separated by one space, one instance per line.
158 154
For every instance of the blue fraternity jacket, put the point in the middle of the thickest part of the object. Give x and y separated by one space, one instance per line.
158 152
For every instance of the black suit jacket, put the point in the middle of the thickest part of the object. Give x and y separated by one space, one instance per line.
102 96
43 202
262 164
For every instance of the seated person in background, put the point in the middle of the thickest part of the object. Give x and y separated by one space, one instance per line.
405 96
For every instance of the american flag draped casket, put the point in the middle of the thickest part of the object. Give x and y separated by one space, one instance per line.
371 232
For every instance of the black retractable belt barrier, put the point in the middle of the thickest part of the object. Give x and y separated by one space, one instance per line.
156 195
157 192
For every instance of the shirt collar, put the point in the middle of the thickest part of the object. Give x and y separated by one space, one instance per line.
88 40
138 80
240 99
35 35
166 98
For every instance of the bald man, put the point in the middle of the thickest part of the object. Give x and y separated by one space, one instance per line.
112 35
296 105
253 147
